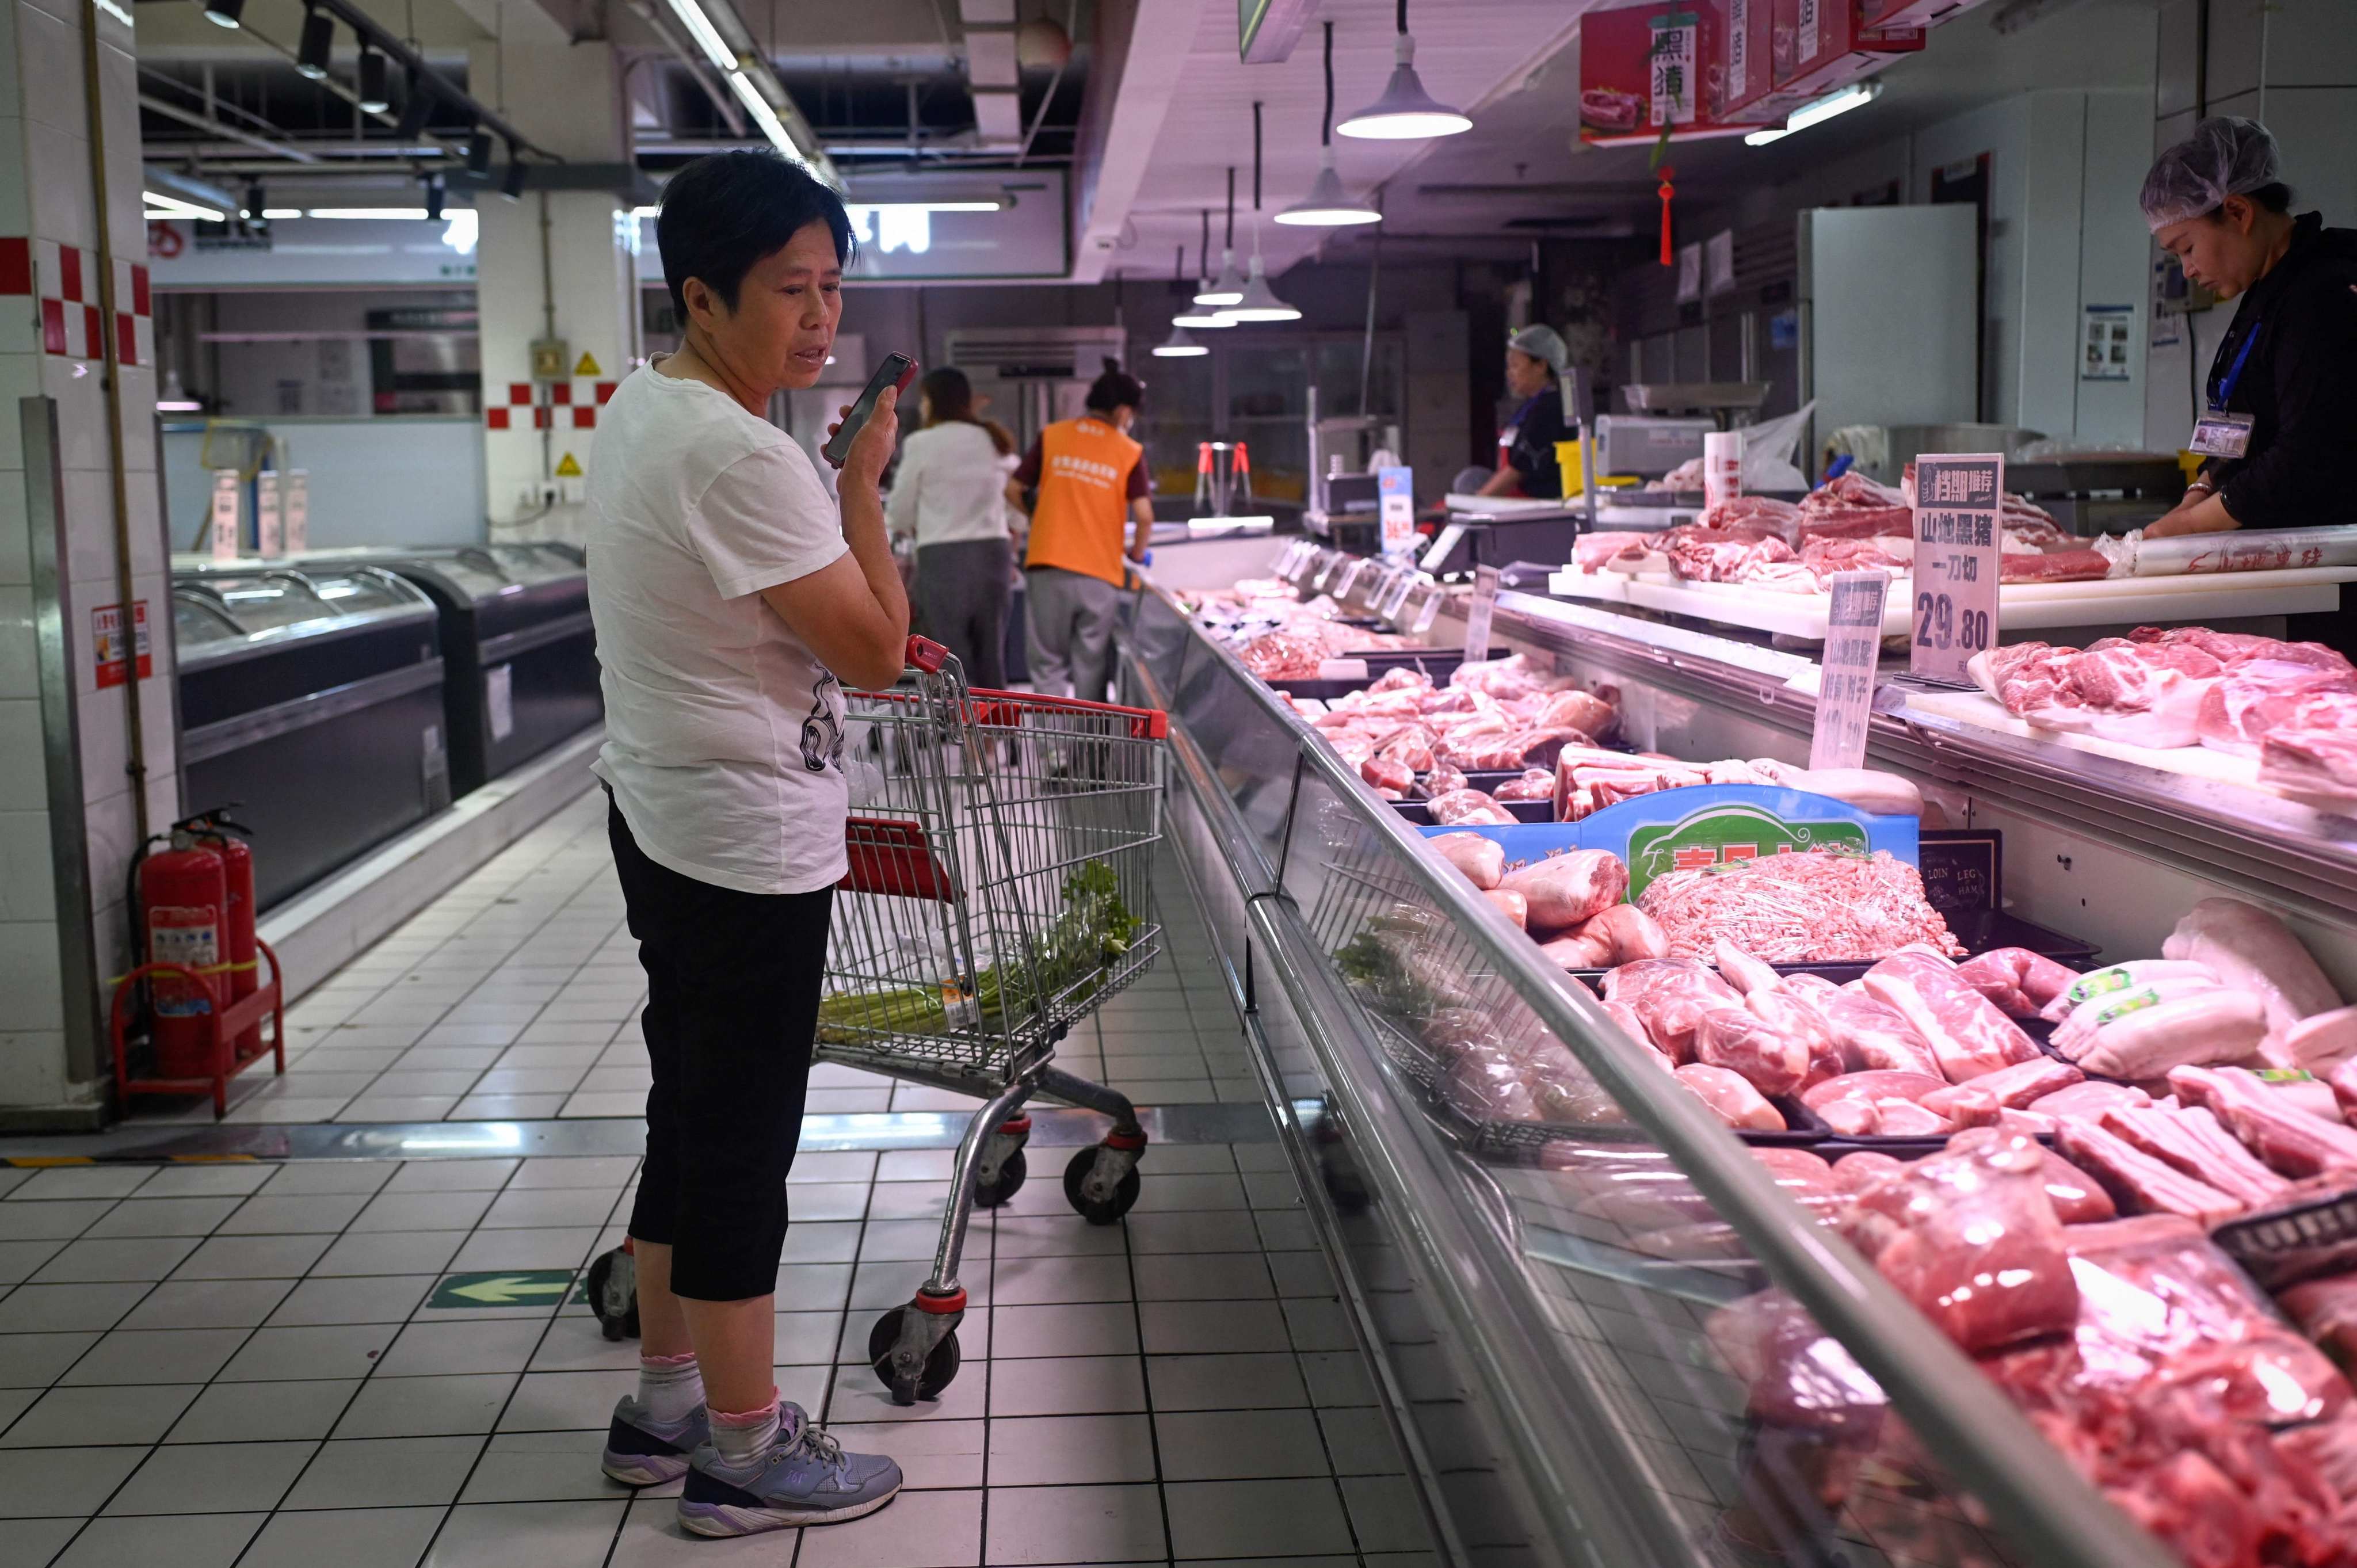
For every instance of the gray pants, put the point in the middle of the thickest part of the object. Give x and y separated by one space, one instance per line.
963 594
1069 627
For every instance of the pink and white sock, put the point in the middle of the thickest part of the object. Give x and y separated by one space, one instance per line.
743 1438
670 1386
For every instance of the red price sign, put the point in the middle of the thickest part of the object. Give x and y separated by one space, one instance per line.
1957 540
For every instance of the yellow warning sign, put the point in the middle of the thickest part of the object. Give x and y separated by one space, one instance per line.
569 467
589 366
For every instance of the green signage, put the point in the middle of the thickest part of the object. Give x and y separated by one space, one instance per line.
1726 833
512 1287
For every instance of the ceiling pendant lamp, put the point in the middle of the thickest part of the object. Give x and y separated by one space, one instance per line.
1228 288
1199 317
1405 112
1259 302
1328 204
372 92
318 42
1179 346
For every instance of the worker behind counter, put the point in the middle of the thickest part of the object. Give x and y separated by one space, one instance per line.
2279 417
1535 358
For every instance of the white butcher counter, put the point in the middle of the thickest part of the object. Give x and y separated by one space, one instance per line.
1612 1330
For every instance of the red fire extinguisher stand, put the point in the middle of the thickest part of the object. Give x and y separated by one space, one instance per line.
203 967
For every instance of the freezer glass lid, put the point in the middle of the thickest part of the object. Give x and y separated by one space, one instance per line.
533 563
471 571
357 593
196 624
258 602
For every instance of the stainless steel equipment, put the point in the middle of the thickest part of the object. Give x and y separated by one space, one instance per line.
1032 376
313 698
1905 443
1721 401
2100 492
1647 444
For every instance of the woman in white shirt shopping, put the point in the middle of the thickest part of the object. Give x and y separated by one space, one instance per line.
949 495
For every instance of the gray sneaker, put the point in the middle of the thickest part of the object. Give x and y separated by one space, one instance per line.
805 1478
644 1452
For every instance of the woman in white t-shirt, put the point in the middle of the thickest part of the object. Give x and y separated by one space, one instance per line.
729 592
949 495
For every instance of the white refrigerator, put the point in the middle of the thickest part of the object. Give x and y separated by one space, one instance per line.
1889 307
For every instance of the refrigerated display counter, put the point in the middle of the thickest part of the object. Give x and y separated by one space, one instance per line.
313 700
516 636
1566 1392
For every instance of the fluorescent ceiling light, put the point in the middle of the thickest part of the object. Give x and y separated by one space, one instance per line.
1201 318
1817 111
708 37
1405 112
1328 204
179 405
162 205
271 214
749 95
415 213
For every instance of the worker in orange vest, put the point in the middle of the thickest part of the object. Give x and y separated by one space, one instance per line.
1091 481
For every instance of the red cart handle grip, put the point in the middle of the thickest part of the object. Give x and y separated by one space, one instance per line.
926 655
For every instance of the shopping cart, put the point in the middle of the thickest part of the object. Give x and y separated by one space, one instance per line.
1001 848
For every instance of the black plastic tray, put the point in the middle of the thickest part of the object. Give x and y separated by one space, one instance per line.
1419 812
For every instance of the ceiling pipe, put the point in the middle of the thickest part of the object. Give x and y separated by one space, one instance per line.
292 154
658 21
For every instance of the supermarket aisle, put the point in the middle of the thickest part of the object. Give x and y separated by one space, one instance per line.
365 1361
516 996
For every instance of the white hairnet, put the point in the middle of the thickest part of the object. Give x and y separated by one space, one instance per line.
2224 157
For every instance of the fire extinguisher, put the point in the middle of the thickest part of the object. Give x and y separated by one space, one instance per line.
228 838
183 904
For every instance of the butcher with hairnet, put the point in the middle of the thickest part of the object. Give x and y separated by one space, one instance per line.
2277 421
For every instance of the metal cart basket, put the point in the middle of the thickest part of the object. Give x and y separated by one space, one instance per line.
1000 846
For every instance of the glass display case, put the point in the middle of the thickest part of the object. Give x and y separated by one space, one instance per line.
1609 1337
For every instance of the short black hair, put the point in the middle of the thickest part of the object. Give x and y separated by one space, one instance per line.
722 214
2275 197
1116 389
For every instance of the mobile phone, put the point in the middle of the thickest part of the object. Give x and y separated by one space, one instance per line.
897 372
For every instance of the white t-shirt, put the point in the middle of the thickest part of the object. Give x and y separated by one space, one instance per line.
723 736
951 486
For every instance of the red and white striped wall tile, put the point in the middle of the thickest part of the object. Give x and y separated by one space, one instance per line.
64 279
579 398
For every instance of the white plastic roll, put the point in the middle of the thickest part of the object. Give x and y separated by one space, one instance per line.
2243 550
1722 467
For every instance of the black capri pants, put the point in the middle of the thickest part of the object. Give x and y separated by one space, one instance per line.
733 985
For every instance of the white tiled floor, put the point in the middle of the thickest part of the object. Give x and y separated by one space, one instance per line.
203 1365
516 997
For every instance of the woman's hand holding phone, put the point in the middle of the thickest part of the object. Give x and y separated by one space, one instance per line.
871 448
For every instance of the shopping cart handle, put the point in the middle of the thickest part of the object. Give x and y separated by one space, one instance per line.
926 655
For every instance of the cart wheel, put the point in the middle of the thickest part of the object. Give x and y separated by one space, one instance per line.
995 1195
1113 1208
613 1289
941 1366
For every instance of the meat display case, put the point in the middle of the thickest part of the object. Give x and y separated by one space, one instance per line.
1551 1383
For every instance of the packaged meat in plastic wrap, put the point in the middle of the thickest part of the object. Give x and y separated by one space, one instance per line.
1795 1018
1771 1061
1670 995
1577 949
2250 949
1970 1236
1740 970
1966 1032
1875 1035
1565 889
1482 860
1732 1096
2147 1032
1512 905
1798 1375
1634 1027
1825 907
1856 1172
2113 979
2019 982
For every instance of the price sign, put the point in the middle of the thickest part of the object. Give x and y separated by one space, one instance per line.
269 518
1396 496
1441 547
226 510
297 502
1327 567
1394 595
1351 575
1846 676
1957 497
1427 612
1477 619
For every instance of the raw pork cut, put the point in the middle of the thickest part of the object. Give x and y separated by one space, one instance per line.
2140 1181
1740 1041
2206 1027
1462 808
1967 1033
2191 1139
1823 907
1565 889
2251 949
1612 552
2019 981
2261 696
1627 932
1970 1236
2014 1088
1876 1037
1854 507
2321 762
1482 860
1670 995
1731 1095
2286 1138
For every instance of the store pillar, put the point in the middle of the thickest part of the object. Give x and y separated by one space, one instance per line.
556 286
82 533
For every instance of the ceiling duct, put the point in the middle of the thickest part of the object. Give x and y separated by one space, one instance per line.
1048 353
992 72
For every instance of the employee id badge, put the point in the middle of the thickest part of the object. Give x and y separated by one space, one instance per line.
2218 433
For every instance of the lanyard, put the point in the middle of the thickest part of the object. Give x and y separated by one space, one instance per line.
2226 387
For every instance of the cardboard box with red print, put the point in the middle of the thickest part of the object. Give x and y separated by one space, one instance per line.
1645 67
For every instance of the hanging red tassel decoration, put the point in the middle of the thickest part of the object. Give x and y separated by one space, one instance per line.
1667 175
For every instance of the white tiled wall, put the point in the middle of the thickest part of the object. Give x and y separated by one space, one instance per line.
46 193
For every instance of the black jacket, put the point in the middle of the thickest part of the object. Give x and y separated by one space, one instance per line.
2299 386
1538 425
